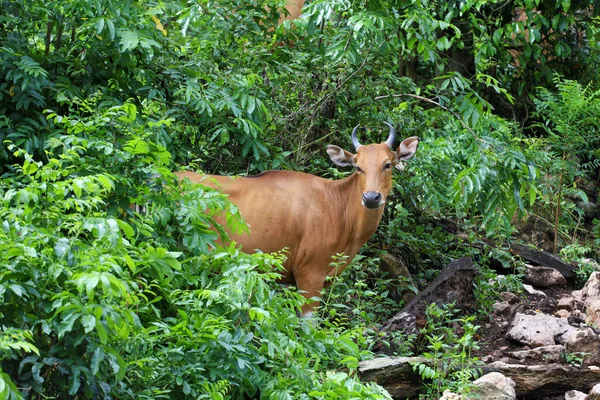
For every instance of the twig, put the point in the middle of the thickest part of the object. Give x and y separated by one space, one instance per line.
49 27
414 96
562 169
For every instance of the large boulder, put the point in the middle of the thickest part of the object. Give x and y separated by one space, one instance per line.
575 395
584 344
395 374
537 381
594 394
539 329
591 289
543 276
591 299
494 386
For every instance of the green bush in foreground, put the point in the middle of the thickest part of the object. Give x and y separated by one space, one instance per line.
99 302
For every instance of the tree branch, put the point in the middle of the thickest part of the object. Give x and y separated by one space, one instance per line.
49 27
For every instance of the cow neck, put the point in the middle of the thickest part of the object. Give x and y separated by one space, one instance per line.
359 221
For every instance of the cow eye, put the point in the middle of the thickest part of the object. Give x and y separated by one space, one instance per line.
387 166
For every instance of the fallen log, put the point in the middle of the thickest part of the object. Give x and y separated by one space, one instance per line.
395 374
543 258
533 256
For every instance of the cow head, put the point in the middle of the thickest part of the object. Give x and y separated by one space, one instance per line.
374 164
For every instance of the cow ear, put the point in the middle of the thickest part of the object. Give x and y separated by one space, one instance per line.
340 156
407 148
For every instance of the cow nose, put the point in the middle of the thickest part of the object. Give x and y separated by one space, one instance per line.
372 199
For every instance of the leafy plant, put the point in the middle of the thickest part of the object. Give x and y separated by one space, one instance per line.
571 125
100 100
585 267
450 364
576 358
129 305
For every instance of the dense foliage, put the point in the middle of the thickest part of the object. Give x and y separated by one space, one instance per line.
100 100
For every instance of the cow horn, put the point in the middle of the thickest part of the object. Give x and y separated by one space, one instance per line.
392 137
355 141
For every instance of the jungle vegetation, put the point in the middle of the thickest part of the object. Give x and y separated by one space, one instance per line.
101 100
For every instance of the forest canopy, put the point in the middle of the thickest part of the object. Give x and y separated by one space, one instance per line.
101 100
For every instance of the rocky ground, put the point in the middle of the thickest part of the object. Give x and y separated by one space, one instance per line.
542 344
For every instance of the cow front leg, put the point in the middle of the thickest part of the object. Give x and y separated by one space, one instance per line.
310 286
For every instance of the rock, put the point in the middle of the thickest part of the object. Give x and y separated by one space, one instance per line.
553 354
494 386
583 344
592 311
566 303
453 284
543 276
395 374
577 295
535 381
591 289
594 394
502 309
448 395
591 299
487 359
497 353
577 317
529 289
562 314
575 395
509 297
538 330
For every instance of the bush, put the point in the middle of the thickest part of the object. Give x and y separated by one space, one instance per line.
100 301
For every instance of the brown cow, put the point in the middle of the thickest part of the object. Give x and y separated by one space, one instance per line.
294 9
314 218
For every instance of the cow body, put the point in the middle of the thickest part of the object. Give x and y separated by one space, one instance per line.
312 232
312 218
293 8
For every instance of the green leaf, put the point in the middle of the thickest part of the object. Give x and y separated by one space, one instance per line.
350 361
101 332
66 324
99 26
443 43
74 381
88 322
29 167
131 111
111 29
129 40
97 358
532 195
348 344
17 289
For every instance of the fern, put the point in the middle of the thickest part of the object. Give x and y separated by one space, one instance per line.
215 390
570 116
31 67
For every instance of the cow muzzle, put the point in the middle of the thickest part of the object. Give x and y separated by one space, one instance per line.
372 200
